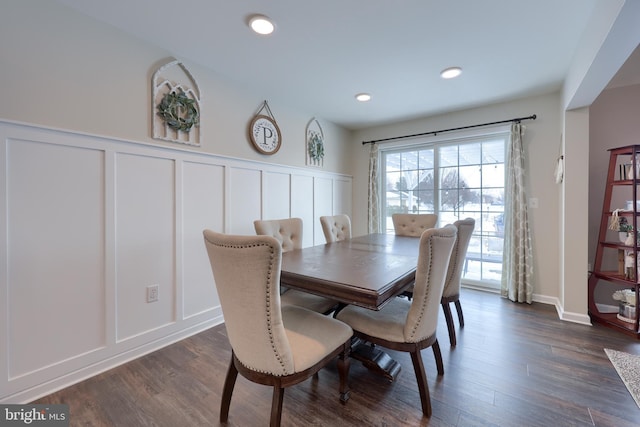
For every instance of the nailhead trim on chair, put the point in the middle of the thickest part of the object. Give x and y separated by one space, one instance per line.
422 307
273 345
452 268
269 328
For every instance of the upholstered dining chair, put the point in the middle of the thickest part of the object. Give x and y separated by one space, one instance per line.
288 232
451 292
270 344
410 325
336 227
413 224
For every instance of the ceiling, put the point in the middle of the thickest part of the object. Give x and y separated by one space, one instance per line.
323 53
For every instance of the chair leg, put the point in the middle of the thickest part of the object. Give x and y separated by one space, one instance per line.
460 316
227 391
438 356
421 379
450 326
344 362
276 406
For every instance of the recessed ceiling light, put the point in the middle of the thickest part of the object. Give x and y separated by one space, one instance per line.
363 97
450 72
261 24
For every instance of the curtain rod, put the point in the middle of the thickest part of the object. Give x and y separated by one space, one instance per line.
516 120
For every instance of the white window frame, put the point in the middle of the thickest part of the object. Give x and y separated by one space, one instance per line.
434 142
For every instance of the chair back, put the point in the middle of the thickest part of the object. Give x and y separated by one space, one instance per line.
458 254
413 224
246 270
336 227
433 260
288 231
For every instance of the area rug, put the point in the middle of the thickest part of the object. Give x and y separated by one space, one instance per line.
628 368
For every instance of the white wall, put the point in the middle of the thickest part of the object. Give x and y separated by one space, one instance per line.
614 24
574 195
611 38
613 122
64 70
89 222
95 209
542 144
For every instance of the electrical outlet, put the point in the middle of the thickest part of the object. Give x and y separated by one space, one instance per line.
152 293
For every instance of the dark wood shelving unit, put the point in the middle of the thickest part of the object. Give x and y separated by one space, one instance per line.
604 280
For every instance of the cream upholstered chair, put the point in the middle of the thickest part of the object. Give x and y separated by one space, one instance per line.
413 224
336 227
288 232
451 292
271 345
406 325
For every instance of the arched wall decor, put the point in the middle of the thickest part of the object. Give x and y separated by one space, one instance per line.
176 105
314 143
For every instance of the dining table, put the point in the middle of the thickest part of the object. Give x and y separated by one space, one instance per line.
367 271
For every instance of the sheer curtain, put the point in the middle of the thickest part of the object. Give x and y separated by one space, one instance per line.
373 217
517 258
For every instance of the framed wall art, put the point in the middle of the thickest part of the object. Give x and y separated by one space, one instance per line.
314 140
264 132
175 105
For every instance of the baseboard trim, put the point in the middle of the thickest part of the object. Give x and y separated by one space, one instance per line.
580 318
59 383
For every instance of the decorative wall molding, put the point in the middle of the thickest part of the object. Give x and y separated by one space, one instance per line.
88 222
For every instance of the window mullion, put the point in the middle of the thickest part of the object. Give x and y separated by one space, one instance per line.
453 156
436 180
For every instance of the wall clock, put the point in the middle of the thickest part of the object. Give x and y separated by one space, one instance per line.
265 135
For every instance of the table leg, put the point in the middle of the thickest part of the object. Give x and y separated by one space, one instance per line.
375 360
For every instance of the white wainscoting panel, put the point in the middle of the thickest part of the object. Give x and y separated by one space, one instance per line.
302 207
342 196
202 189
277 195
88 222
55 248
323 202
244 198
145 243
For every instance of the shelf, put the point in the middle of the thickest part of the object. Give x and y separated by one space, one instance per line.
624 182
611 320
615 277
603 282
622 212
618 245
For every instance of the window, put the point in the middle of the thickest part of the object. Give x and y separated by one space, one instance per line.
455 180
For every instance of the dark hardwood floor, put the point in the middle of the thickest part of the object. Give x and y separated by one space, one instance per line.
514 365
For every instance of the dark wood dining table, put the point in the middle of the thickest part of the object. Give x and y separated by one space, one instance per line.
366 271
